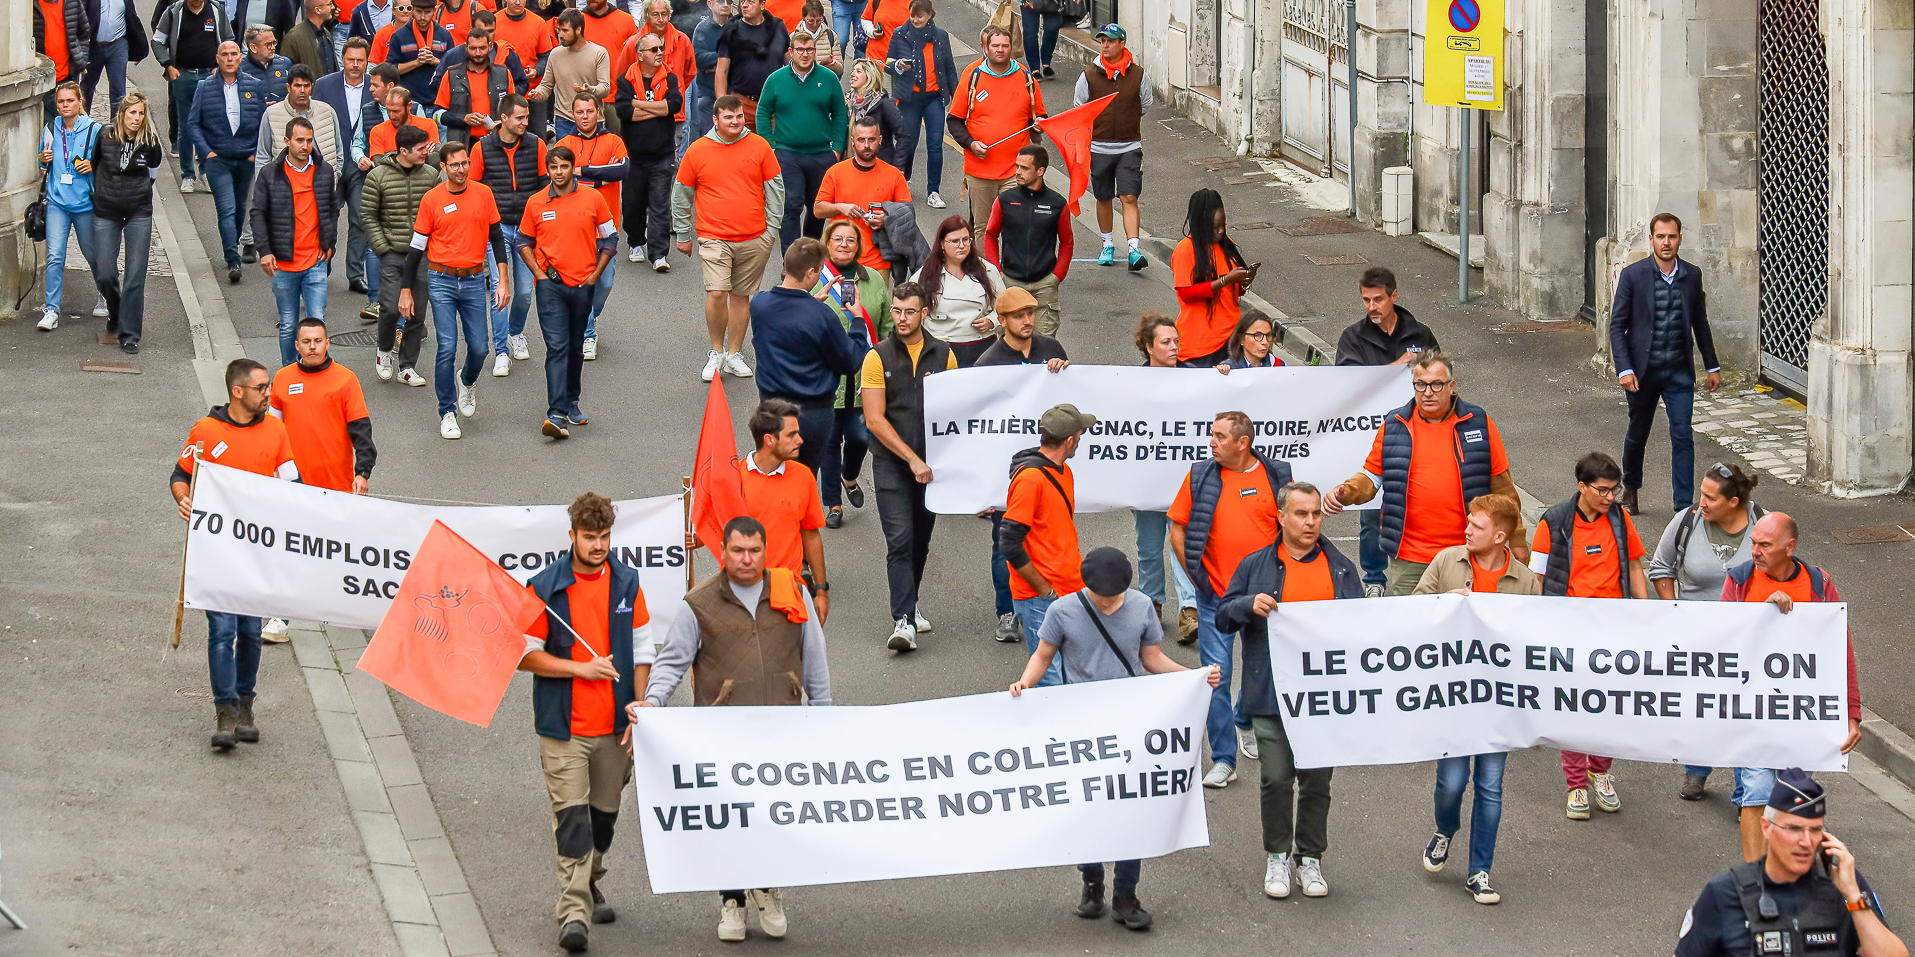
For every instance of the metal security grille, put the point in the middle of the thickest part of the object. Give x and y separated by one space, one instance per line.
1792 227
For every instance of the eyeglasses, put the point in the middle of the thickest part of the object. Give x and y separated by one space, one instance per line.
1606 491
958 240
1259 336
1800 830
262 388
1435 385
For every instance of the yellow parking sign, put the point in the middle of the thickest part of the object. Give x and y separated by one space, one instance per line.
1463 53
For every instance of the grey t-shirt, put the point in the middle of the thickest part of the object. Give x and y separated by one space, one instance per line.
1083 653
1705 565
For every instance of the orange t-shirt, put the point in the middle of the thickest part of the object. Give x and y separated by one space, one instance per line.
994 109
610 31
728 182
382 42
603 149
594 705
1593 563
458 225
1052 542
882 183
383 139
261 448
1305 580
458 23
790 11
930 61
889 14
788 505
483 100
1204 322
53 14
530 35
564 231
305 220
316 405
1433 509
1484 580
1761 586
1245 520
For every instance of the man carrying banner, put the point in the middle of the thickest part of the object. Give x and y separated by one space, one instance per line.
1301 566
1038 534
1483 563
1226 509
1431 459
325 415
1110 631
585 674
783 495
755 638
241 435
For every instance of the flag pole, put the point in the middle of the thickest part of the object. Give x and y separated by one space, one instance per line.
575 635
1017 134
691 549
179 604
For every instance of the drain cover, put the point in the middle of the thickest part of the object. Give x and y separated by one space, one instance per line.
1339 259
1873 534
196 694
110 365
1324 226
357 337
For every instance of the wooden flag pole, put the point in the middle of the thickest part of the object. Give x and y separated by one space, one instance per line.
179 604
691 549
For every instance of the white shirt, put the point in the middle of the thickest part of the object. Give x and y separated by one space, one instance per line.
355 95
231 89
751 462
112 25
378 13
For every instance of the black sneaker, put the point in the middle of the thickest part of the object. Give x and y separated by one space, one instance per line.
1049 74
1092 904
574 935
602 913
834 517
249 254
1479 888
1126 911
232 275
130 348
357 287
1437 854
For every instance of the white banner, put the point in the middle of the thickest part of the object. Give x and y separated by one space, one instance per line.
782 797
260 546
1724 684
1152 424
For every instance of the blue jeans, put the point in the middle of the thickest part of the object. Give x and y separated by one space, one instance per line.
232 655
562 313
1032 611
111 58
458 301
1486 811
521 303
58 222
1127 872
1000 572
845 459
562 127
803 172
341 31
231 179
1037 52
1677 391
600 293
1151 528
291 290
179 93
1752 785
1217 648
845 18
921 112
1369 548
699 116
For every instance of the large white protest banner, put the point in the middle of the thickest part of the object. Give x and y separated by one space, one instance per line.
260 546
1724 684
783 797
1152 424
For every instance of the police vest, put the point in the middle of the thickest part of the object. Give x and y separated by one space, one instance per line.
1814 928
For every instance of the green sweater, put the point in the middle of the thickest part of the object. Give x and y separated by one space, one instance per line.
803 116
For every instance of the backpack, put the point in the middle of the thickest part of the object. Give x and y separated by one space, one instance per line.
1688 528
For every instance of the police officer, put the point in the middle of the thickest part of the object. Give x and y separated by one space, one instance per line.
1804 897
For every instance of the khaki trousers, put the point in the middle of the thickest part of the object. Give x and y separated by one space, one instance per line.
586 778
983 195
1404 575
1045 292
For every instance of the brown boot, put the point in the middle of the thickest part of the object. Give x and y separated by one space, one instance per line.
243 727
1187 627
227 717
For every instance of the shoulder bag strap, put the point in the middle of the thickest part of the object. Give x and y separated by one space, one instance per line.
1048 477
1108 640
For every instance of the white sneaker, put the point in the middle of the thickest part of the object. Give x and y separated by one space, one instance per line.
1373 591
637 255
1606 797
731 922
468 400
591 348
934 201
922 623
520 350
904 636
1220 776
712 361
186 185
49 320
735 364
449 426
99 308
660 265
382 364
771 911
275 631
1247 743
1276 876
412 377
501 365
1310 875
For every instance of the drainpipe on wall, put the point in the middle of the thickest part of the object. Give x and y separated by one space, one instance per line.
1349 56
1249 77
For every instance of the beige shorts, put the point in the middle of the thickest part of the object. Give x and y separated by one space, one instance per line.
736 268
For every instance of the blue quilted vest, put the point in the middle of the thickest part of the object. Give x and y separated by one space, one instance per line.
1206 484
1472 447
552 697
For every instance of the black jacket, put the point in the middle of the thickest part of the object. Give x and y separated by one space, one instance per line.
136 46
1364 344
1026 235
273 206
653 137
1261 573
1632 316
79 30
123 177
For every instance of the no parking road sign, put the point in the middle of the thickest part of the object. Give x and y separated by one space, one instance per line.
1463 54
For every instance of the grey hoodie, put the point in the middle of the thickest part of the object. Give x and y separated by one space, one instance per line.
682 197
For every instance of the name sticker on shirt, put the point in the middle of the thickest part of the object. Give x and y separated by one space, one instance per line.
1246 492
1592 549
450 208
219 450
209 26
548 215
296 388
1473 435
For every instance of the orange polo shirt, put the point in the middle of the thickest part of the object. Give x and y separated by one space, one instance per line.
457 225
1052 542
728 180
484 100
1245 520
882 183
788 505
530 35
994 109
383 139
1433 508
601 150
261 447
564 232
1594 570
610 31
316 405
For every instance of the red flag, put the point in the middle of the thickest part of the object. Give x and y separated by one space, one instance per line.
456 631
718 494
1070 131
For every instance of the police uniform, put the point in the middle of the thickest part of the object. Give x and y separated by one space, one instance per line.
1742 911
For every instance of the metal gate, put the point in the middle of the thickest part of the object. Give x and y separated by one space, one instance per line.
1314 94
1792 225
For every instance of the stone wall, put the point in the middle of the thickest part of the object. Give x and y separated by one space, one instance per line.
1533 215
24 77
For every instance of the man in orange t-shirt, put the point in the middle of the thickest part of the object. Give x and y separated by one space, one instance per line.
994 113
602 162
854 187
782 494
568 239
731 175
586 672
457 220
609 27
295 215
526 33
1038 533
325 414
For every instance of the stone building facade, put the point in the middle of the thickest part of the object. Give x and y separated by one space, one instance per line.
24 77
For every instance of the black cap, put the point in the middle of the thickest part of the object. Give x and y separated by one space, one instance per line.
1106 572
1796 793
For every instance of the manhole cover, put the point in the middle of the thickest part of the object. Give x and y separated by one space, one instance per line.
357 337
1243 226
1873 534
196 694
1340 259
1324 226
110 365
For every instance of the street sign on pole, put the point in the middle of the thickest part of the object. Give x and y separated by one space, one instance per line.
1463 53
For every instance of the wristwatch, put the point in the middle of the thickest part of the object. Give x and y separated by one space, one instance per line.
1859 904
820 588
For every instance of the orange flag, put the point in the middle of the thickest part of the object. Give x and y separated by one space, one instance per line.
718 494
455 632
1070 132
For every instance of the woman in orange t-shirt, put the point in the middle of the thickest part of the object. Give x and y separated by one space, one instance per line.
1209 274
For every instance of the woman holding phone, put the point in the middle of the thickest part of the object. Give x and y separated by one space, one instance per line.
861 299
1209 273
922 76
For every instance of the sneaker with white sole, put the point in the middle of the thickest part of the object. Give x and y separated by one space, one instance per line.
1606 797
1578 807
521 351
186 185
449 426
1006 627
922 623
49 320
1373 591
1276 876
731 922
637 255
1479 888
735 364
501 365
1220 775
1310 875
1437 855
771 911
904 636
276 631
412 378
99 308
591 348
1247 743
713 359
934 200
468 400
382 364
660 265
